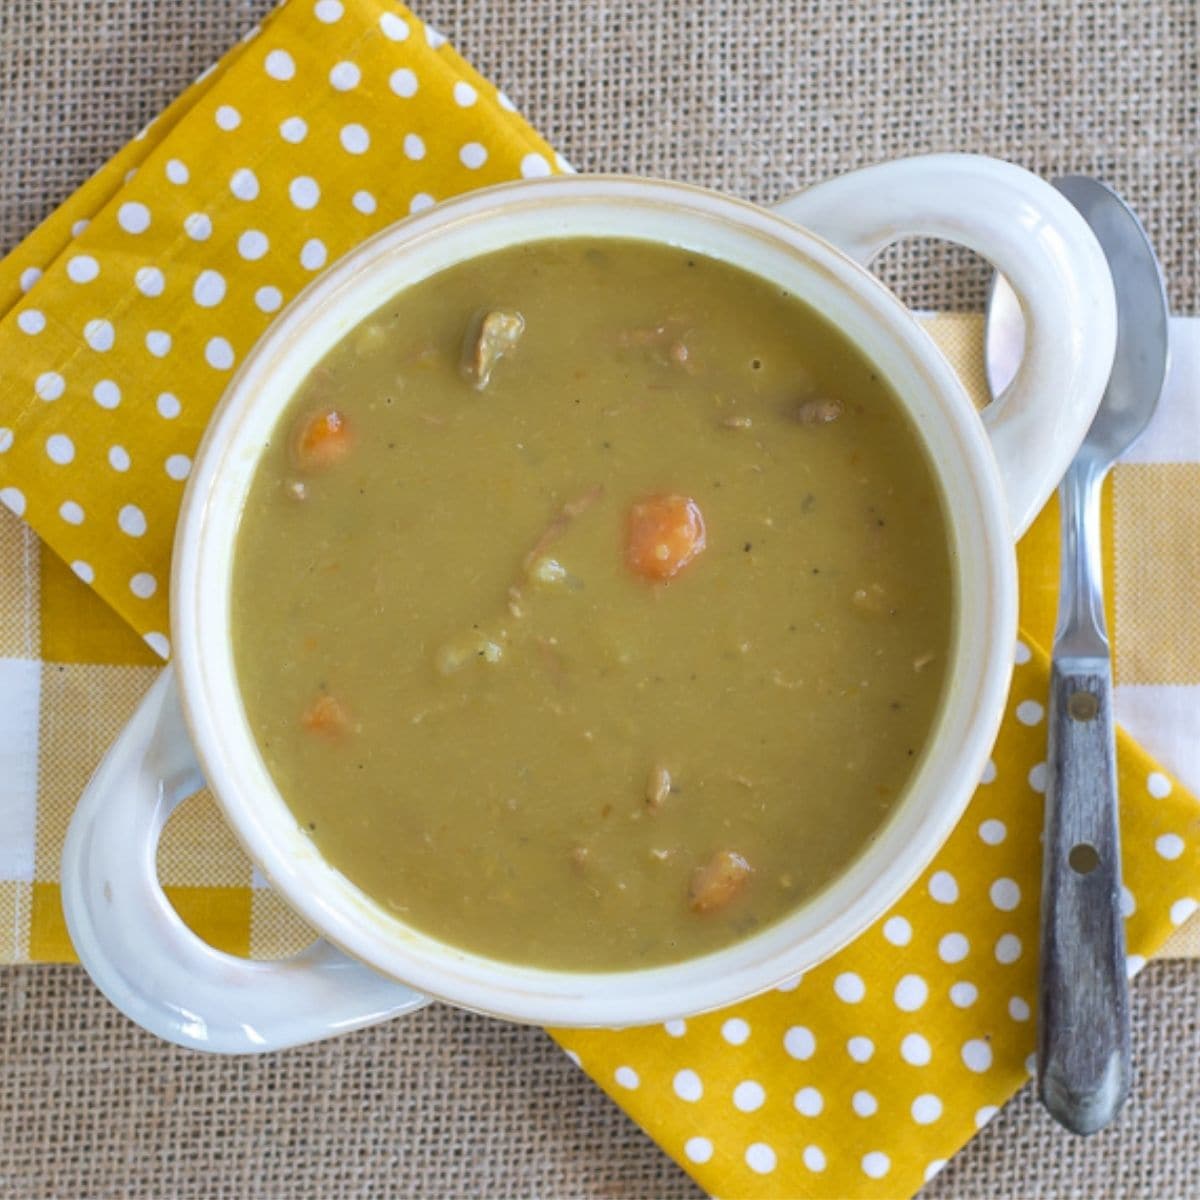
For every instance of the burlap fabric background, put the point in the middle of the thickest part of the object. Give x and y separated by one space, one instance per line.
755 98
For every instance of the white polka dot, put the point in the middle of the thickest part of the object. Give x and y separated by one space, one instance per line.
218 354
915 1050
345 76
29 277
1005 894
13 499
748 1096
133 217
313 254
403 82
698 1149
158 643
227 117
420 201
534 166
953 948
177 171
243 183
860 1049
933 1168
132 520
355 139
393 27
6 439
911 993
790 985
977 1055
989 773
99 334
168 406
143 585
926 1109
472 155
799 1042
268 298
106 394
293 129
304 191
464 94
60 449
1008 948
329 11
434 37
943 887
1037 778
118 458
675 1028
984 1115
897 931
1030 712
49 385
963 994
1018 1009
82 268
760 1158
158 342
31 321
573 1057
414 146
813 1158
198 226
1128 903
209 289
993 832
627 1077
808 1102
364 202
1158 785
178 467
1021 654
149 281
876 1164
1169 846
735 1031
1181 910
280 65
253 244
1133 964
83 570
687 1085
849 987
864 1104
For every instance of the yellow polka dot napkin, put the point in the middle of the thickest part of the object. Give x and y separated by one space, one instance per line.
124 314
144 292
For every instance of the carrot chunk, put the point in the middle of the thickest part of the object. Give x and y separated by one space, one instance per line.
665 534
326 716
321 440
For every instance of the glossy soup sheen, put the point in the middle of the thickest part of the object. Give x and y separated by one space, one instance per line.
609 651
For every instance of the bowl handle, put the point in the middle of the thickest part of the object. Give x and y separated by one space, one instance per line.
1035 237
140 953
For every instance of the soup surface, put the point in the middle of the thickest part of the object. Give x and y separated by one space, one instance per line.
592 603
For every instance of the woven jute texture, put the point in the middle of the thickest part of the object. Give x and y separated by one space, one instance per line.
756 99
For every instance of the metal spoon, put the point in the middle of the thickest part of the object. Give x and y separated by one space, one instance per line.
1083 1019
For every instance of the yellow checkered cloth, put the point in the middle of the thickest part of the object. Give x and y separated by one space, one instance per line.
123 315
